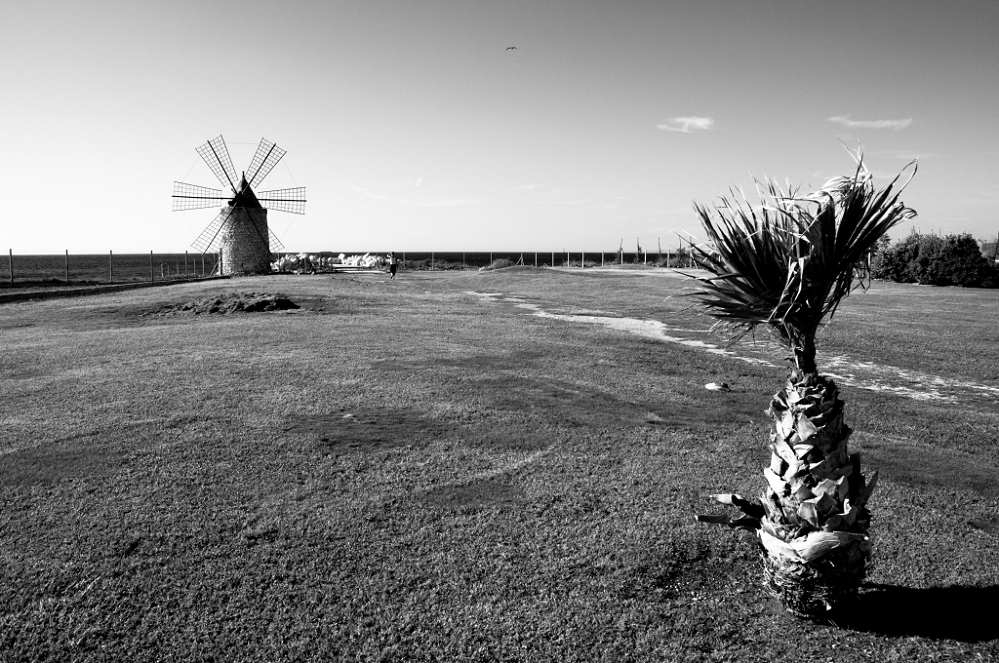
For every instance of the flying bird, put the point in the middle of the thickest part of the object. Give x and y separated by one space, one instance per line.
511 48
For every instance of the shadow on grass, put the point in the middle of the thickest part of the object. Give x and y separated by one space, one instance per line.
940 613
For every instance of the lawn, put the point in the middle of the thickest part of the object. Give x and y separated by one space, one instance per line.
471 466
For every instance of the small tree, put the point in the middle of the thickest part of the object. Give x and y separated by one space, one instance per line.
785 266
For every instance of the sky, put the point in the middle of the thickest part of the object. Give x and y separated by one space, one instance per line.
415 127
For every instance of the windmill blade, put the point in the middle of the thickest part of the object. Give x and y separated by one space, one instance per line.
216 155
191 196
267 156
284 200
265 240
275 244
207 239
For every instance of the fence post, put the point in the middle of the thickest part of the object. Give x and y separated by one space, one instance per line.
431 261
110 266
535 258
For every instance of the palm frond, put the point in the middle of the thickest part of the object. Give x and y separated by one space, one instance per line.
787 263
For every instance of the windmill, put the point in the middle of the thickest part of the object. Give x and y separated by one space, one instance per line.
239 232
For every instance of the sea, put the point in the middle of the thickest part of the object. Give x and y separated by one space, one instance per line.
102 268
134 267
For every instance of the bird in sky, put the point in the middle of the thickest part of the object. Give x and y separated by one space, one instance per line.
511 48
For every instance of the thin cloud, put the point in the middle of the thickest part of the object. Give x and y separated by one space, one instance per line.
415 184
444 202
567 202
686 124
871 124
902 155
415 200
367 192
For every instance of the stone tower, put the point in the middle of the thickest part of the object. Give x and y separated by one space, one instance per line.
243 242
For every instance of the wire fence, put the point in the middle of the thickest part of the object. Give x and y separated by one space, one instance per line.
450 260
69 268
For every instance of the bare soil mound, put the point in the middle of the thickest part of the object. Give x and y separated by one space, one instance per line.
241 302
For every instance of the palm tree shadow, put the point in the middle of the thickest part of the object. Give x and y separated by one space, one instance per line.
940 613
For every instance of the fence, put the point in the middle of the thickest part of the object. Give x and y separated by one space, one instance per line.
110 268
135 267
455 260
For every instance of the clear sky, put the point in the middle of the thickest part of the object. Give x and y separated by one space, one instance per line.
414 127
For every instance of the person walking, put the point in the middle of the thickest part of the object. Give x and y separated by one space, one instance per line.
393 264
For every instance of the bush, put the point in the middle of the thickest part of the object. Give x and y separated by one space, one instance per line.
499 263
935 260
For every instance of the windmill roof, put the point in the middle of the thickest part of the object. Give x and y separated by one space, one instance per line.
244 196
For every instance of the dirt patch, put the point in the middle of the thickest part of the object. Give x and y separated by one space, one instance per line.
986 523
921 465
479 494
471 365
574 405
227 303
47 464
579 406
364 430
506 438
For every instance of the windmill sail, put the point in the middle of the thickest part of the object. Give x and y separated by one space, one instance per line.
275 244
208 239
191 196
216 155
267 156
284 200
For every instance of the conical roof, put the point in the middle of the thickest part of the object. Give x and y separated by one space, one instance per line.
245 197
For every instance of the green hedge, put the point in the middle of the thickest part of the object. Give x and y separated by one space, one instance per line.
936 260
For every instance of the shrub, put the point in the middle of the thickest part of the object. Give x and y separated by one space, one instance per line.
499 263
935 260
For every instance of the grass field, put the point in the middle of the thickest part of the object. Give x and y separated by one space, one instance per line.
471 466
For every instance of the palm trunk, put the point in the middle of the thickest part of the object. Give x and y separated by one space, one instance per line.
804 353
814 530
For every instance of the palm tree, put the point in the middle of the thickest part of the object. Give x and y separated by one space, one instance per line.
785 266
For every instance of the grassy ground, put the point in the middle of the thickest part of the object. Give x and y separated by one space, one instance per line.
411 470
